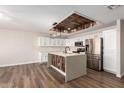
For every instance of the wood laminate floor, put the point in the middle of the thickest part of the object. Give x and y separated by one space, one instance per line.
39 76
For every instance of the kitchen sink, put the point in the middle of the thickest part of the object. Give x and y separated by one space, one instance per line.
69 52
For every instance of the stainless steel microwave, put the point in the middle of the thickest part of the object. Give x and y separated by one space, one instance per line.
79 44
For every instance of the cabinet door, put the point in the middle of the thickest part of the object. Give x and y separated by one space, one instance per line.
51 41
55 42
58 42
44 57
63 42
47 41
44 41
71 42
66 42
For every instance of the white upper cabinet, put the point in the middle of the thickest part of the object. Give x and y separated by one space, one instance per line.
68 42
46 41
42 41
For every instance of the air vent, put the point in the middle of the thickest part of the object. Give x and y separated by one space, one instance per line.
112 7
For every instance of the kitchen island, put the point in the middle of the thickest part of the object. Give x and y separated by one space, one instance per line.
70 65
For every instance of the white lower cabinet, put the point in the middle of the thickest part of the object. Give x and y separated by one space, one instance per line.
44 57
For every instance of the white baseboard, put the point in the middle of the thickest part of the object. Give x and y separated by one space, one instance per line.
21 63
120 75
110 71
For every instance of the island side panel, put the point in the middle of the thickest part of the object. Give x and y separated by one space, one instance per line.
75 67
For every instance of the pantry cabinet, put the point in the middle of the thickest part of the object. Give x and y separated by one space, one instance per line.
110 53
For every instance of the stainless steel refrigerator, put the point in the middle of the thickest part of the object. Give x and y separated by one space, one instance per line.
94 51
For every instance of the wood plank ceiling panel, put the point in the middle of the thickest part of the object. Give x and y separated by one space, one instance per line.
72 23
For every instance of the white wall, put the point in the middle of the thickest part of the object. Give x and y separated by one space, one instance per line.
18 47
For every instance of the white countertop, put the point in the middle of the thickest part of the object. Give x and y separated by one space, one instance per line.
66 54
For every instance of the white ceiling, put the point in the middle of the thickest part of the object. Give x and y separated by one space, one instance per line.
40 18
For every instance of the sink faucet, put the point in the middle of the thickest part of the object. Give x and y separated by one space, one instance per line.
67 47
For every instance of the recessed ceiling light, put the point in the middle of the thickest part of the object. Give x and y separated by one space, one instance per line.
69 28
